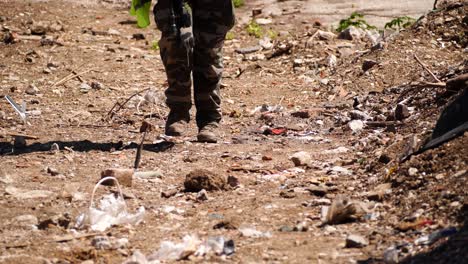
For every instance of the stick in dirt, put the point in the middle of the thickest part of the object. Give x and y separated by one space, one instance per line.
426 69
111 112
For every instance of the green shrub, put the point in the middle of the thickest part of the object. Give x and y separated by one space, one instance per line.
155 45
254 29
230 35
400 22
238 3
356 20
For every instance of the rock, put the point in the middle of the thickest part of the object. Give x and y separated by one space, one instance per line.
202 195
390 256
26 220
38 28
325 35
200 179
412 171
301 227
401 112
27 194
84 87
298 62
54 147
233 181
368 64
52 171
332 60
318 190
356 241
356 125
101 243
123 176
263 21
351 33
359 115
138 36
301 158
32 90
229 224
96 85
305 113
113 32
266 43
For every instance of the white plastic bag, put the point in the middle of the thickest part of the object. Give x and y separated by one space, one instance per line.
112 211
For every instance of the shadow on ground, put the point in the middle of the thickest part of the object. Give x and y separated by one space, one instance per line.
80 146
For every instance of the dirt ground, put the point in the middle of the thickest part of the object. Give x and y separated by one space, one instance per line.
310 86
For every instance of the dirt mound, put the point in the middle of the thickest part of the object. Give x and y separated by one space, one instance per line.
200 179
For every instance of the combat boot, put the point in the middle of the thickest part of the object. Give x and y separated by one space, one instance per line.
208 133
176 124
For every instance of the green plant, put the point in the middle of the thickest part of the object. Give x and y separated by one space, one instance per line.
230 35
400 22
140 9
155 45
238 3
272 34
254 29
355 19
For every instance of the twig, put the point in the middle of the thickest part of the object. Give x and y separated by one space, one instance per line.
77 76
427 69
111 113
69 77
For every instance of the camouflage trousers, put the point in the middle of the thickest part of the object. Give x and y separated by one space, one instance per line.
211 20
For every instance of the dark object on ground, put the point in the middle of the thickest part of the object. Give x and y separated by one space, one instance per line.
200 179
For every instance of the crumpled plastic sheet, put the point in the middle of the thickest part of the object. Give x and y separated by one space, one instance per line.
112 211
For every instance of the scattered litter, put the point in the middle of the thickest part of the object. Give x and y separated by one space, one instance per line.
112 211
433 237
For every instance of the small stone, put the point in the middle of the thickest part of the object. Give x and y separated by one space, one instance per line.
301 158
19 142
368 64
52 171
84 87
38 28
401 112
263 21
356 241
455 204
124 176
202 195
298 62
301 227
318 190
390 256
412 171
101 242
351 33
138 36
32 90
200 179
54 147
233 181
305 113
356 125
96 85
359 115
325 35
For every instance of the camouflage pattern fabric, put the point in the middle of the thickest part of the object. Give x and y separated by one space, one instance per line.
211 20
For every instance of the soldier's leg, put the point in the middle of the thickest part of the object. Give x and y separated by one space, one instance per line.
212 19
176 63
